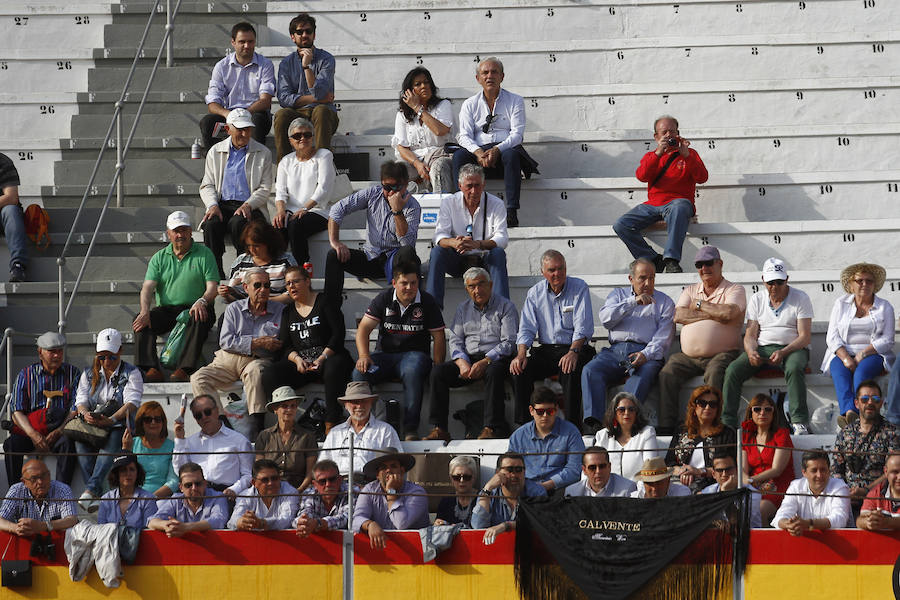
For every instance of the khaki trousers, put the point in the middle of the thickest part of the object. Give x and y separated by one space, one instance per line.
224 370
324 120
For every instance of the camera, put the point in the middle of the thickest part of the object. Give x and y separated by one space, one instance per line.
672 142
42 546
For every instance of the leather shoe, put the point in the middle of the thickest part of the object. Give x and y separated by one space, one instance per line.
154 375
512 217
486 434
438 434
180 375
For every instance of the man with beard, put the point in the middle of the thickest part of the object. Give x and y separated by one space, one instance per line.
498 500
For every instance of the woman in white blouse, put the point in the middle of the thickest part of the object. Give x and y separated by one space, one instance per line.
860 334
302 189
625 428
422 127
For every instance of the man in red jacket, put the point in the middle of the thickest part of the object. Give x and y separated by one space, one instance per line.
671 172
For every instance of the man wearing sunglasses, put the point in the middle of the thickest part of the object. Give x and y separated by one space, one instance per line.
237 181
247 342
270 503
392 226
324 506
195 508
725 473
671 172
861 447
779 326
243 79
305 87
224 454
498 500
598 480
491 129
552 446
711 314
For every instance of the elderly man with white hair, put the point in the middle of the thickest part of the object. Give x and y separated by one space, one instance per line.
470 232
247 341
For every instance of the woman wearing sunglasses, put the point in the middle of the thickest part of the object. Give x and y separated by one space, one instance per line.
106 393
627 436
303 187
153 449
265 250
768 463
458 508
422 127
691 449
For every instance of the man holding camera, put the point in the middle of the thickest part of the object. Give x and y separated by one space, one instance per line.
671 172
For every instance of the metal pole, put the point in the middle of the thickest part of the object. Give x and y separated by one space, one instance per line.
61 324
347 546
170 42
120 165
737 591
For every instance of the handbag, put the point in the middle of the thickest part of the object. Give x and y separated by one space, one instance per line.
43 420
341 189
176 342
15 573
129 537
79 430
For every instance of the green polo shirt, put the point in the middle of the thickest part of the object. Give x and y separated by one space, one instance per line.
182 281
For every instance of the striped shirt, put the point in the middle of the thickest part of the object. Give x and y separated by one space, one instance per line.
313 507
381 231
20 504
275 269
28 391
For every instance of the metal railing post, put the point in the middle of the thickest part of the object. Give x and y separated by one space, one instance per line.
347 546
120 165
61 323
170 42
737 591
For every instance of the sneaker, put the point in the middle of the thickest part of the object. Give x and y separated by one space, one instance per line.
672 266
800 429
88 502
17 273
154 375
486 434
659 262
438 434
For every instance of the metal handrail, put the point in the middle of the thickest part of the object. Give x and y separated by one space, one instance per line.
167 45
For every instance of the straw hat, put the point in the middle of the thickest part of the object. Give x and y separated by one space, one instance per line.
876 271
654 469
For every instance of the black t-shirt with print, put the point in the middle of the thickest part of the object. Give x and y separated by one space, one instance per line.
409 330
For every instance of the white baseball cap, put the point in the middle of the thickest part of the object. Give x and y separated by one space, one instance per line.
109 340
240 118
177 219
773 269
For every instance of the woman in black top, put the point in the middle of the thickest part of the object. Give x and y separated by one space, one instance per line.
703 433
458 508
312 343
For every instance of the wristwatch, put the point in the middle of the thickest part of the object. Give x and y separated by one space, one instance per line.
698 304
397 213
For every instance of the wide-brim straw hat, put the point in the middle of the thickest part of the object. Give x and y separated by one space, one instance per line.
370 471
654 469
876 271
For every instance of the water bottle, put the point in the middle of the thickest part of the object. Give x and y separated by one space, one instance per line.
196 150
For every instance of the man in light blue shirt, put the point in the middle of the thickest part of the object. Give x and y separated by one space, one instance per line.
725 474
244 79
392 225
196 508
268 504
558 314
551 445
305 87
598 480
641 327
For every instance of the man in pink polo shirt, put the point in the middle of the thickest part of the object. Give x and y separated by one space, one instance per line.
711 314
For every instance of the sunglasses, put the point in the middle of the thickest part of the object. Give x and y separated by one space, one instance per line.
704 263
461 477
304 31
872 399
156 419
544 412
599 467
515 469
302 135
392 188
707 403
192 484
263 284
864 281
776 282
203 413
324 480
105 357
762 409
268 480
626 409
723 470
487 124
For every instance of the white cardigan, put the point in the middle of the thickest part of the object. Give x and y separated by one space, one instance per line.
627 464
844 309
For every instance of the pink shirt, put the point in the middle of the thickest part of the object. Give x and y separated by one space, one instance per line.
708 337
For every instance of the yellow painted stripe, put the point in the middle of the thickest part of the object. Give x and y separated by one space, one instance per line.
847 582
445 582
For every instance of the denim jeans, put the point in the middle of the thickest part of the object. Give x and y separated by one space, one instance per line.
605 370
413 369
447 260
94 468
14 230
509 168
677 214
846 381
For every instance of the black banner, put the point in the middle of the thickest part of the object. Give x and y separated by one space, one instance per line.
611 548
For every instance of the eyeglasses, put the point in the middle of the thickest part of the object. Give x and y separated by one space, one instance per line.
487 124
624 409
864 281
192 484
36 478
461 477
599 467
396 187
305 31
268 480
775 282
302 135
762 409
544 412
723 470
514 469
325 480
872 399
154 419
264 284
203 413
105 357
707 403
704 263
